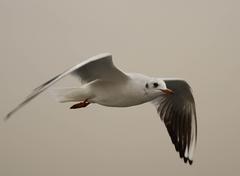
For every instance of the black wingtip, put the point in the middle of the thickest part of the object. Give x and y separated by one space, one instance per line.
185 160
6 117
181 154
176 147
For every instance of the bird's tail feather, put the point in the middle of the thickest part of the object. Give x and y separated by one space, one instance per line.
68 94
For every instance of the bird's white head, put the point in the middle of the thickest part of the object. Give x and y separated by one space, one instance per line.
156 87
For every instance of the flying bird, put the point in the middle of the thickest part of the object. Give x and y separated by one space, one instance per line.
105 84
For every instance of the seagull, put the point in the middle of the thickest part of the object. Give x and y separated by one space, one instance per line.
103 83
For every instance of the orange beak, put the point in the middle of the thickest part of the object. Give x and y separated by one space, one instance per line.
167 91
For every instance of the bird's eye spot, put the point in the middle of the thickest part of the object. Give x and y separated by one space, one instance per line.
155 84
146 85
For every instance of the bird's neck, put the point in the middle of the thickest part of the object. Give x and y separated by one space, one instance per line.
138 82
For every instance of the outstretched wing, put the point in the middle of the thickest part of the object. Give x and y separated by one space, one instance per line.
98 67
179 115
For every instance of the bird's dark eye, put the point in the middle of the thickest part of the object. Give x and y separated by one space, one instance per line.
146 85
155 85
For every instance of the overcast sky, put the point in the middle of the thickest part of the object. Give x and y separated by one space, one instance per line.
195 40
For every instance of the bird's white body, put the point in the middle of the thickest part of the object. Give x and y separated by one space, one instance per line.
125 93
130 93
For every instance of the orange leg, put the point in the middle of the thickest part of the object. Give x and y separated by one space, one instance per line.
82 104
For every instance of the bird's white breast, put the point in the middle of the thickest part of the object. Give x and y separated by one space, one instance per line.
122 94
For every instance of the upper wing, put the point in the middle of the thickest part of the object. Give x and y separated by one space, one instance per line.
179 115
97 67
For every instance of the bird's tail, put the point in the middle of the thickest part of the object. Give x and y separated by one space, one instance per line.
68 94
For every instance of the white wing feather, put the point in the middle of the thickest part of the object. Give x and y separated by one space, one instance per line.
97 67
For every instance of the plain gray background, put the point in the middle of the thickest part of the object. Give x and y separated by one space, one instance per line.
195 40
